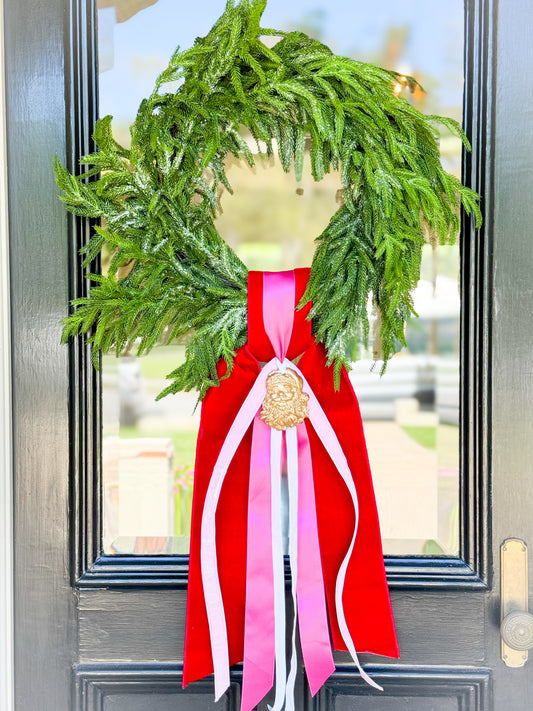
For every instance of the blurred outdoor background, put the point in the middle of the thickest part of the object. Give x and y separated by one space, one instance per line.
411 414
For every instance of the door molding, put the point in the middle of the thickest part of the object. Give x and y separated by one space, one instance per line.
96 683
470 686
471 570
6 444
476 290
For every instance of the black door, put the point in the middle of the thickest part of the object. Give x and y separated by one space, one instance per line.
102 630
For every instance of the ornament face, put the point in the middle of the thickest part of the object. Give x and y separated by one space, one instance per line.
285 405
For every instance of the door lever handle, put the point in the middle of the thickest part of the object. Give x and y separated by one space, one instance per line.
516 622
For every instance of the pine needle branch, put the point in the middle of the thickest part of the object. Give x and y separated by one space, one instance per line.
171 274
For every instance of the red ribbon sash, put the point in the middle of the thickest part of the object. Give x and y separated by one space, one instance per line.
236 536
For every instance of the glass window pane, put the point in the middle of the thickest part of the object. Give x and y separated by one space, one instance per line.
411 414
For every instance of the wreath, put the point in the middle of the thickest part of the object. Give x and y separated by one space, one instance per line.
155 204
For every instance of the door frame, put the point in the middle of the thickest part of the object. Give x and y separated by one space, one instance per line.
45 620
469 571
6 455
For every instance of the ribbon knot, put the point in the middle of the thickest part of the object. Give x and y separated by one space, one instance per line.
265 619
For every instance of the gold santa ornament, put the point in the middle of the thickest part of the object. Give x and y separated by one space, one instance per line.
285 405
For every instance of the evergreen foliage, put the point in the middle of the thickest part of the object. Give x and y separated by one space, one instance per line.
171 273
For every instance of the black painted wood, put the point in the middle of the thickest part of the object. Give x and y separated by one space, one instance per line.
111 617
407 689
138 687
85 384
512 303
476 284
417 572
45 619
149 624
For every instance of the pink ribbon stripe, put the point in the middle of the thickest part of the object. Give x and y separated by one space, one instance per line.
312 613
279 289
259 629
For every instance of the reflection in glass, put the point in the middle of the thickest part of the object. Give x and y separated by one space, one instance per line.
411 413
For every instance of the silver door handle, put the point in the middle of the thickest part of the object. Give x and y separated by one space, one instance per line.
516 622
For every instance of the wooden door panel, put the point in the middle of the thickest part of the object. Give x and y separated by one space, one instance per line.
137 687
143 687
422 703
160 702
149 624
132 624
343 692
406 689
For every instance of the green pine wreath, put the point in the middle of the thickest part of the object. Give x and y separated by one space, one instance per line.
172 274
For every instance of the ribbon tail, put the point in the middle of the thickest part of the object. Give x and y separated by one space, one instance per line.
329 439
259 626
208 553
312 611
292 477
